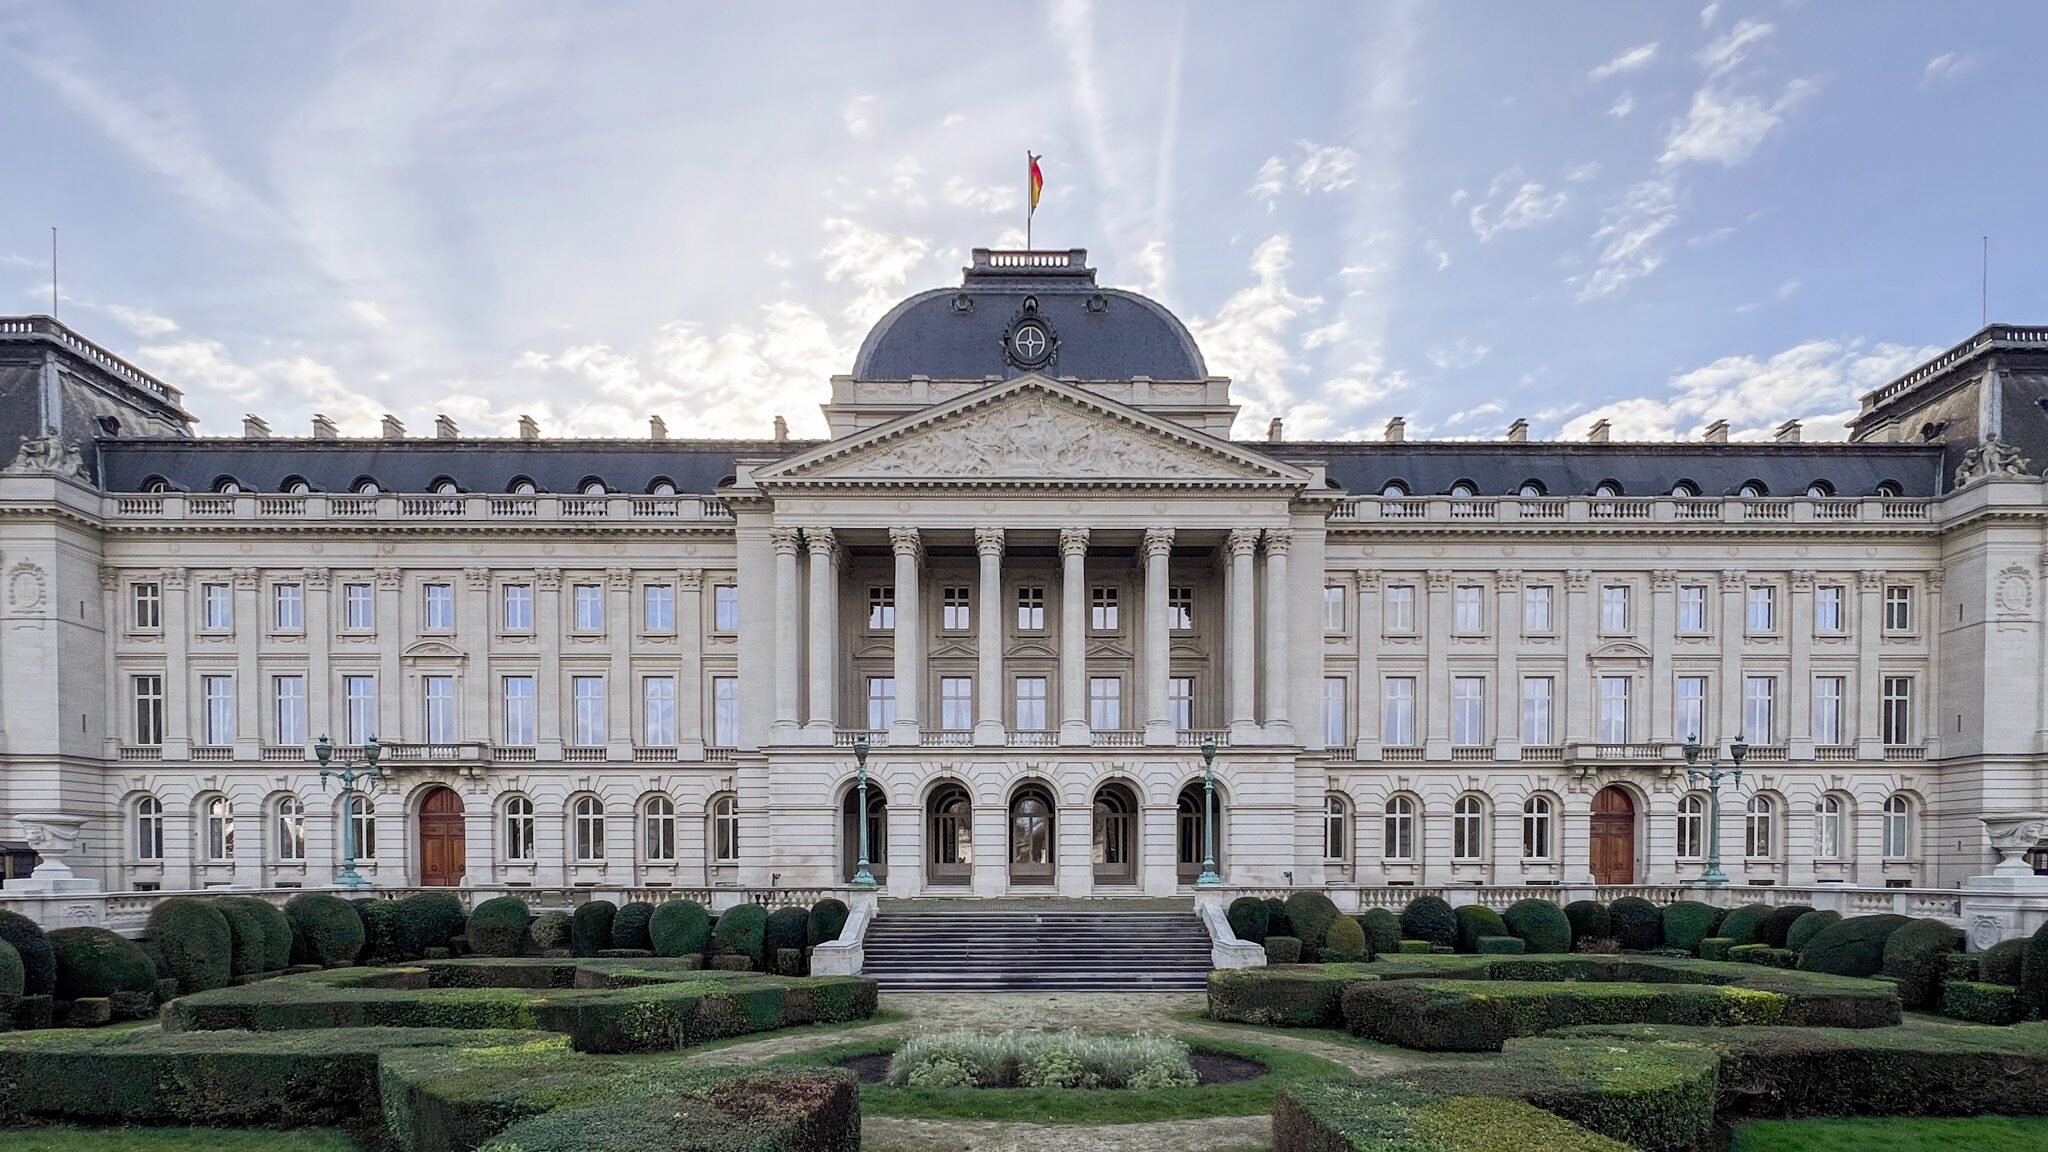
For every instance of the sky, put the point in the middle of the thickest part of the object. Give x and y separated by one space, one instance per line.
1660 215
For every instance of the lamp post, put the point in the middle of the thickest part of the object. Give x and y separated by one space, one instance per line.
1208 878
1713 775
861 876
349 772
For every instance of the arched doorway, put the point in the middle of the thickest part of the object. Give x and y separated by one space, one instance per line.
1116 835
878 833
1613 851
1031 830
949 835
443 858
1192 841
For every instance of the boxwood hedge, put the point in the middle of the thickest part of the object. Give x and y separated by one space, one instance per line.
1777 930
2000 963
826 921
1382 930
497 927
193 941
98 962
1745 924
427 920
1282 997
1387 1116
1590 920
680 928
1852 947
1311 914
2034 974
1980 1003
1638 924
38 962
1426 918
248 936
742 931
810 1111
590 927
1804 929
1539 924
551 930
380 929
1277 923
1248 916
784 930
629 927
1283 950
325 929
1916 956
1480 1016
1687 922
1475 921
1345 943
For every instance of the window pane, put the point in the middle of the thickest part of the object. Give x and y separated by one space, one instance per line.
289 607
725 711
1758 711
1468 711
1827 608
1536 608
1827 710
659 701
1333 711
518 607
956 702
1180 702
881 701
1399 608
360 695
589 608
1397 725
661 607
1536 698
725 617
1333 609
1690 709
1692 608
519 711
289 714
440 606
1614 709
590 718
1105 703
1031 703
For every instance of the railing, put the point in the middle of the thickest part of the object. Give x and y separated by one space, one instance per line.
389 506
210 506
1907 752
1401 754
1834 752
515 755
1632 509
1029 258
283 754
848 737
1543 753
514 507
1994 334
1031 737
212 753
1470 755
714 755
1613 509
430 506
1696 509
946 737
1767 753
1116 737
1193 737
470 751
142 752
654 755
106 361
584 755
586 507
1601 751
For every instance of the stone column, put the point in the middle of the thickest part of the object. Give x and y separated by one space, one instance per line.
824 624
179 686
1799 690
1369 623
1238 635
988 641
1074 636
1869 677
1660 641
621 735
1433 695
319 639
788 631
1734 638
1278 661
392 697
547 678
909 636
476 624
1158 548
1574 710
249 629
691 731
1507 683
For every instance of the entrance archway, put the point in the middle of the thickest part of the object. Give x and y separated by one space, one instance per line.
949 835
1613 849
878 833
443 857
1116 835
1191 821
1031 835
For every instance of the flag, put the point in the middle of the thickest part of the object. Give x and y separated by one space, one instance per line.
1037 182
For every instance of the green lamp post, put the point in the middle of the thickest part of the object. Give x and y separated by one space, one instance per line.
861 876
349 772
1208 878
1713 774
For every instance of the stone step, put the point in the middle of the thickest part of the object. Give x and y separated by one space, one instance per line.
1038 949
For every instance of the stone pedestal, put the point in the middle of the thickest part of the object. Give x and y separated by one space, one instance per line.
53 835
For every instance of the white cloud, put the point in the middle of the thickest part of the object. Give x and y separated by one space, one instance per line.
368 312
1245 340
1726 128
141 321
1459 353
1707 15
1269 181
1786 289
1627 235
858 116
1946 68
1732 49
1631 59
1622 106
1321 169
1581 173
875 263
1327 334
1474 413
220 387
1514 203
991 199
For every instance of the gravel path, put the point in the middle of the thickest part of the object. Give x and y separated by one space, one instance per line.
889 1134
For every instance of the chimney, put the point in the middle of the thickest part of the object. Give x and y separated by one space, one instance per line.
323 428
1275 432
255 428
393 428
1788 432
1397 430
445 429
1518 432
657 429
1716 433
781 430
1597 434
528 429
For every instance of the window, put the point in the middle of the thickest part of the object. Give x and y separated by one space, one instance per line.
220 829
1898 827
1692 608
1898 608
518 607
658 603
589 828
1336 828
1614 608
217 606
362 815
725 711
1827 608
1689 709
1397 712
1333 609
1398 607
658 820
1537 692
519 712
957 614
1468 829
1828 838
1180 702
1536 608
881 608
725 830
439 692
288 607
1105 703
1827 710
658 700
1400 829
288 710
359 695
1759 699
1180 609
1692 828
519 838
1333 711
1030 703
149 829
1614 709
1465 607
1763 609
359 607
439 605
589 603
1898 710
1468 711
1102 609
1536 828
149 710
725 608
1030 609
1756 831
881 701
219 692
147 597
588 693
956 702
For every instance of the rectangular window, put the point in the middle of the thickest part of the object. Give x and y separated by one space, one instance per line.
1397 712
1333 609
1898 710
1614 608
288 710
1180 609
881 607
1105 703
1692 608
658 701
588 694
1614 709
659 602
1763 609
219 692
519 712
288 607
725 711
359 607
1537 693
956 703
440 607
359 698
1333 712
881 701
589 602
1180 702
439 694
1466 600
1536 608
1827 710
1689 709
1827 608
217 602
1759 711
957 613
518 607
725 608
1898 608
1468 711
1030 609
1102 609
1031 703
148 598
149 710
1398 607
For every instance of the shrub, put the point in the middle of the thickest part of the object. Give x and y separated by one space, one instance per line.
11 979
325 930
1748 953
1277 923
826 921
2000 963
1501 946
1745 925
1474 921
194 941
1540 924
742 931
1311 914
1589 920
1687 922
1980 1003
1916 955
784 930
590 927
1417 948
1777 930
1040 1060
1345 943
2034 975
38 962
1638 925
1475 1016
248 942
380 929
1805 928
1716 948
1382 931
277 931
1283 950
99 962
629 927
1280 997
1656 1097
1379 1114
427 920
1429 918
806 1110
551 930
1964 966
498 927
681 928
1247 918
1852 947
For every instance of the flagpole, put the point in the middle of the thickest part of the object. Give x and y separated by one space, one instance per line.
1029 207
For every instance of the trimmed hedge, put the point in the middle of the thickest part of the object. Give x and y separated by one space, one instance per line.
1501 946
325 930
1852 947
427 920
1777 930
2033 983
815 1109
93 962
1716 948
1480 1016
590 927
1248 917
1474 921
1590 920
497 927
38 962
1346 943
1311 914
1980 1003
1323 1116
1745 925
1638 924
12 979
1283 950
1277 923
1428 918
1282 998
1808 926
826 921
629 926
681 928
784 931
1687 922
248 939
277 931
742 931
1916 955
1539 924
2000 963
380 929
1382 930
551 930
194 943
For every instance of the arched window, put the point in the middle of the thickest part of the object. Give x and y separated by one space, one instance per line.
1400 829
1820 489
1755 489
1888 488
523 487
1336 828
447 487
662 487
1758 828
519 829
1685 489
156 485
295 486
1463 491
1898 827
1530 489
1468 829
1536 828
660 819
149 829
362 817
1394 488
220 829
725 830
949 841
1692 828
366 487
227 486
594 487
291 829
1607 490
1828 836
589 836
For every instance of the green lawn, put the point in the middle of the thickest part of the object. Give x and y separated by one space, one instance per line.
1994 1132
170 1140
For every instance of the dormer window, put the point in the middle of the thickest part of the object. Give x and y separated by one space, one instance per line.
366 487
227 486
1820 490
662 488
1754 490
594 488
296 487
1607 491
1529 490
1463 491
1685 490
1394 488
523 487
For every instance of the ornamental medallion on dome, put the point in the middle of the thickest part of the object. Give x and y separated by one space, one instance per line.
1030 343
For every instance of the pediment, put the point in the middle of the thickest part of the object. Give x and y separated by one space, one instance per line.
433 650
1619 650
1031 430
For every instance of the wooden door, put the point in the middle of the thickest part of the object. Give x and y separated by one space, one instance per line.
1614 837
443 858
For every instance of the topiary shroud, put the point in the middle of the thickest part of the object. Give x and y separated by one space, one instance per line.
1429 918
680 928
193 939
1540 925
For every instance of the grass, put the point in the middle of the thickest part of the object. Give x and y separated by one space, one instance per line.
171 1140
1991 1132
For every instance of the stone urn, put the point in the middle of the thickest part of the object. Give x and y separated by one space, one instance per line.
2012 835
53 835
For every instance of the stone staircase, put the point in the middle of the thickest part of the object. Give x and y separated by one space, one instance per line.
1062 947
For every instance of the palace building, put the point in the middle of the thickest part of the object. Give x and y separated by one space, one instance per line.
1033 574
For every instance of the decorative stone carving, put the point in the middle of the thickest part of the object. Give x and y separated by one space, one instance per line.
2011 835
53 835
1369 580
619 579
27 588
787 541
1278 541
988 541
174 579
1158 542
479 579
1802 579
1871 580
1074 541
2015 590
318 579
1242 541
390 579
1663 580
244 577
907 542
821 542
548 579
1439 579
1509 580
1577 579
1734 580
1987 929
1994 457
110 578
690 579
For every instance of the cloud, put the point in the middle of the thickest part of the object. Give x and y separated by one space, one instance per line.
991 199
1631 59
219 386
1622 106
1724 54
1707 15
1947 68
858 116
1245 339
1459 353
1726 128
875 263
1474 413
368 312
1269 181
1627 235
1320 169
1581 173
141 321
1514 203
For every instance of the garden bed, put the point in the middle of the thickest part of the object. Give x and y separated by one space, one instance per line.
1210 1067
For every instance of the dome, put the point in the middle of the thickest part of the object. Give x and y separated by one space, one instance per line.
1029 311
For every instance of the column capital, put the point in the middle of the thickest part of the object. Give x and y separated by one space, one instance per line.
110 578
1242 541
907 542
1578 578
1073 542
988 541
1870 580
1934 578
173 578
690 579
821 542
1510 580
619 579
1368 580
318 579
244 577
786 540
479 579
548 579
388 578
1278 541
1802 579
1158 542
1439 579
1734 580
1663 580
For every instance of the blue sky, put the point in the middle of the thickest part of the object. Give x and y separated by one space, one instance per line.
1459 213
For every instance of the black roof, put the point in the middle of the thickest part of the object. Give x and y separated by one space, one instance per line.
1500 468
